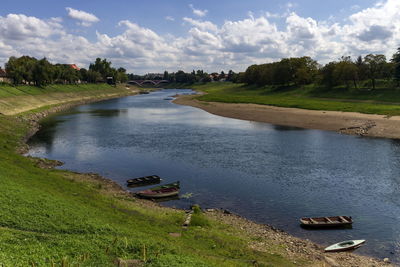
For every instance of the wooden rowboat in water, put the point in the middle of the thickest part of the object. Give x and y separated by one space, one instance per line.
146 180
345 245
325 222
159 193
162 191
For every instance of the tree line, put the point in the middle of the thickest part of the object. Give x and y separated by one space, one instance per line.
361 72
40 72
187 77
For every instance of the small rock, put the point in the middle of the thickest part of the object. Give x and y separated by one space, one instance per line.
227 212
386 260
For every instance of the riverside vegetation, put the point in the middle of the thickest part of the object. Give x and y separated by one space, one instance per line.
53 217
379 101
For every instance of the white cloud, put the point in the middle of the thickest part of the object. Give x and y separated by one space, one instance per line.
198 12
206 45
21 27
170 18
86 19
202 25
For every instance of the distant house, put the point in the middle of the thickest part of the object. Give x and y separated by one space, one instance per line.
3 76
74 66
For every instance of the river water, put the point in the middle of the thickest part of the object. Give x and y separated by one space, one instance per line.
270 174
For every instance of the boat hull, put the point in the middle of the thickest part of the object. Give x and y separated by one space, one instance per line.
162 191
326 222
146 180
159 193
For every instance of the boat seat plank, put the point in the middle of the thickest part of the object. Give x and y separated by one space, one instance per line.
329 220
343 219
313 221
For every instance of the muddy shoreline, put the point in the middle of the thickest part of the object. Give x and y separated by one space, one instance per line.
351 123
266 235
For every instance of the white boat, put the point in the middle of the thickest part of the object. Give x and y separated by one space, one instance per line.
345 245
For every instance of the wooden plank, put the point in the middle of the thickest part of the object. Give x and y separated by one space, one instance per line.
343 219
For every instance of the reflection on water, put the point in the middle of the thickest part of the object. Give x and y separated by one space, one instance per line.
271 174
108 112
287 128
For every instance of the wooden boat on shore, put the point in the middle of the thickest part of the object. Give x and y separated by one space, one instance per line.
159 193
326 222
146 180
345 245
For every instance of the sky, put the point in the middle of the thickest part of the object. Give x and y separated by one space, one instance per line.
153 36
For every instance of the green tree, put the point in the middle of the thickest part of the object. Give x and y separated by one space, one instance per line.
231 75
396 62
83 74
14 70
166 75
375 64
283 72
346 71
103 67
122 77
327 75
93 76
42 72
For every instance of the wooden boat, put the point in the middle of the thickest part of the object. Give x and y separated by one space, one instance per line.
345 245
171 185
162 191
152 179
159 193
334 221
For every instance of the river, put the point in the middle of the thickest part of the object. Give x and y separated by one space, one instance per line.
270 174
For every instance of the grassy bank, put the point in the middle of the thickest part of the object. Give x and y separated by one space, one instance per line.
19 99
379 101
52 217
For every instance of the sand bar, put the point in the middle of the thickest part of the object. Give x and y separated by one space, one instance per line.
343 122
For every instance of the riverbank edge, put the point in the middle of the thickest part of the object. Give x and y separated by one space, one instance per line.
350 123
296 248
33 117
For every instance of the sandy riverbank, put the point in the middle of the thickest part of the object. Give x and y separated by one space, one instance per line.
342 122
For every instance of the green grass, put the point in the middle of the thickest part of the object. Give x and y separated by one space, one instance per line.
20 99
69 219
9 91
379 101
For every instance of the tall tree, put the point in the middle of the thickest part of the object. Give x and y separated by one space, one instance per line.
166 75
396 62
375 64
346 71
42 72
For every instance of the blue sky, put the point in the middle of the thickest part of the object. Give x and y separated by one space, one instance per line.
151 36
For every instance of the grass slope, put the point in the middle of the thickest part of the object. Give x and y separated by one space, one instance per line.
19 99
59 218
379 101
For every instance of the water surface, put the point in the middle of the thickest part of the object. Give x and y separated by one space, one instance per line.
271 174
